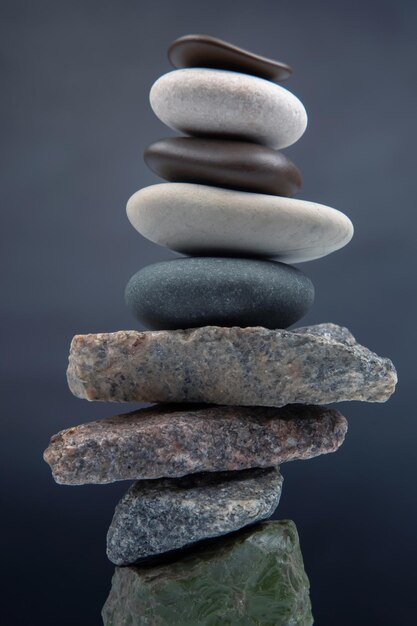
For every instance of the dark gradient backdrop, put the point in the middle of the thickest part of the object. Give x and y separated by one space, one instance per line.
75 115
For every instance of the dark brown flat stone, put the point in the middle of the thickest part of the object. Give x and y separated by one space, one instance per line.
206 51
224 163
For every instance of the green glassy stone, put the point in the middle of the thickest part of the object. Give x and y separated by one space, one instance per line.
253 577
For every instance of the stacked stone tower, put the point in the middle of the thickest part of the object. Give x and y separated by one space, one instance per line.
238 394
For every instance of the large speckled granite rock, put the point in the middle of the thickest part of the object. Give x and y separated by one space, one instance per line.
236 366
175 440
156 516
255 576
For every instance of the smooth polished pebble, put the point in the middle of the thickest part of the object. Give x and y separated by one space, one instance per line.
219 103
205 220
206 51
204 291
224 163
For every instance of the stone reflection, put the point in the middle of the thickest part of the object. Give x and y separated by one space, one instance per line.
254 576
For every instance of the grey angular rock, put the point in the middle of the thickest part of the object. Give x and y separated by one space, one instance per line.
255 576
157 516
175 440
232 366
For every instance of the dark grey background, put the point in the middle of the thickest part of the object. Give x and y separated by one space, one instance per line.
76 119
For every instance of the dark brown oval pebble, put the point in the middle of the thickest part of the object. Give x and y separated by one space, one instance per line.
224 163
206 51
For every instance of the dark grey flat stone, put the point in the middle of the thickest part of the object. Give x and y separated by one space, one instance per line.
203 291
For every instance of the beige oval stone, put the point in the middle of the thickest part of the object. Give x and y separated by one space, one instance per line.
204 220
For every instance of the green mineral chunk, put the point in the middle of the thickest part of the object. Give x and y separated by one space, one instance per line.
253 577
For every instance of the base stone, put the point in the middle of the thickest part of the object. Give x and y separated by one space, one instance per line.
255 576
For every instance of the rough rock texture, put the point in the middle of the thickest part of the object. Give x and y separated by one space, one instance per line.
253 577
156 516
236 366
175 440
213 291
